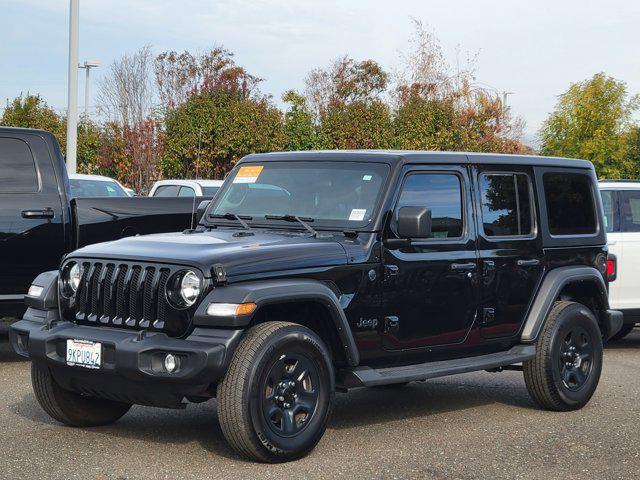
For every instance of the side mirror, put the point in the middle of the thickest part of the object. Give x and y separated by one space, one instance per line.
414 222
201 209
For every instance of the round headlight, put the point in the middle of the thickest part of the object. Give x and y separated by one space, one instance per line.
183 289
190 288
70 278
75 274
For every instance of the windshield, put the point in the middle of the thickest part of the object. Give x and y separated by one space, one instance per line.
330 193
95 188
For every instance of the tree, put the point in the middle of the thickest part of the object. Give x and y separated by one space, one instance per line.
345 81
442 109
347 104
299 130
125 94
217 126
31 111
356 125
592 120
180 75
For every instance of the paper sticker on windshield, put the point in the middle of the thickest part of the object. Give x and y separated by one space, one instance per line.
367 178
357 214
248 174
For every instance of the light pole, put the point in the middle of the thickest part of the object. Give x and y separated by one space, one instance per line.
87 65
504 100
72 92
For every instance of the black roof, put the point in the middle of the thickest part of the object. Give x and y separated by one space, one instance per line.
414 156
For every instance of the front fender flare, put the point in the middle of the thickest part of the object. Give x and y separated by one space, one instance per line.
270 292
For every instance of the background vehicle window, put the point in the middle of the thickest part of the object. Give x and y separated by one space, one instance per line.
209 191
611 220
17 167
442 193
187 192
630 210
570 205
166 191
82 188
506 204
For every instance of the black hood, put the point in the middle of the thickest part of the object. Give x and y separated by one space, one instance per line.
239 253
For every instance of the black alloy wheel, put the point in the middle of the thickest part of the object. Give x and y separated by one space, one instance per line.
290 394
576 355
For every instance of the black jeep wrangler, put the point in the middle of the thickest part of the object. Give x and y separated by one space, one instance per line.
312 272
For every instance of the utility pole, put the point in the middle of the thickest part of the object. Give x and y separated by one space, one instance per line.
87 65
72 92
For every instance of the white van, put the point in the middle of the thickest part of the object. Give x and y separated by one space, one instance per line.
621 203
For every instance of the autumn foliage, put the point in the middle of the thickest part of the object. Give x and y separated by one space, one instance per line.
184 115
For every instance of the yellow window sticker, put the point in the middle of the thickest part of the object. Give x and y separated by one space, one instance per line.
248 174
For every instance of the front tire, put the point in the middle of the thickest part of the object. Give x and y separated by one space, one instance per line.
72 408
276 397
566 369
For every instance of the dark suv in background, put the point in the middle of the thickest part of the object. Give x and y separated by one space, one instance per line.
312 272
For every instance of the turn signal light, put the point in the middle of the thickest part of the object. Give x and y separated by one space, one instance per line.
230 309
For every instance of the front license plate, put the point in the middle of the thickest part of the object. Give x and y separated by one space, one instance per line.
83 353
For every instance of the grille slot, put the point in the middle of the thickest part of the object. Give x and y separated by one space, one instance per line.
127 295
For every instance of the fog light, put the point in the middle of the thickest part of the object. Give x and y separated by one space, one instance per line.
171 363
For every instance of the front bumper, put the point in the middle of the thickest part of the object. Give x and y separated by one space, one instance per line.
131 368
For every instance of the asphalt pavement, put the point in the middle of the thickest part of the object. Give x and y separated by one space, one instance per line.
471 426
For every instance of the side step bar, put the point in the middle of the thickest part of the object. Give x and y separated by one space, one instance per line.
370 377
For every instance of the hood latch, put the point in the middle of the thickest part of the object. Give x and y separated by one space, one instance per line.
219 274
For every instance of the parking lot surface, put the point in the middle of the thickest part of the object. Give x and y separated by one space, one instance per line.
472 426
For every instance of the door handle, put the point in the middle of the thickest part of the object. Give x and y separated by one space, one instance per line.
528 263
45 213
463 266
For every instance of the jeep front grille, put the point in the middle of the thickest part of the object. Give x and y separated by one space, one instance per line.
127 295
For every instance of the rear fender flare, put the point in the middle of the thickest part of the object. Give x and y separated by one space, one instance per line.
548 292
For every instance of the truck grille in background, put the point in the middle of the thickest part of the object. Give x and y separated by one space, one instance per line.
124 295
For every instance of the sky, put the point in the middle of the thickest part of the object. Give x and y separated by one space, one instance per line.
534 49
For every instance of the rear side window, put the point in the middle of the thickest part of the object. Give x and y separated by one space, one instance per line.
570 204
440 192
506 204
630 210
166 191
611 221
17 167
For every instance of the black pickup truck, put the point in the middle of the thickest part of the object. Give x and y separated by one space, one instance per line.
40 221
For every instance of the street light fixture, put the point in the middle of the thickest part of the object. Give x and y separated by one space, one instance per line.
87 65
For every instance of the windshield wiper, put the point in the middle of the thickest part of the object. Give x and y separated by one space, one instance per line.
294 218
233 216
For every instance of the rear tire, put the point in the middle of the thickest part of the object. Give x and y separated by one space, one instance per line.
626 329
276 397
72 408
566 369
